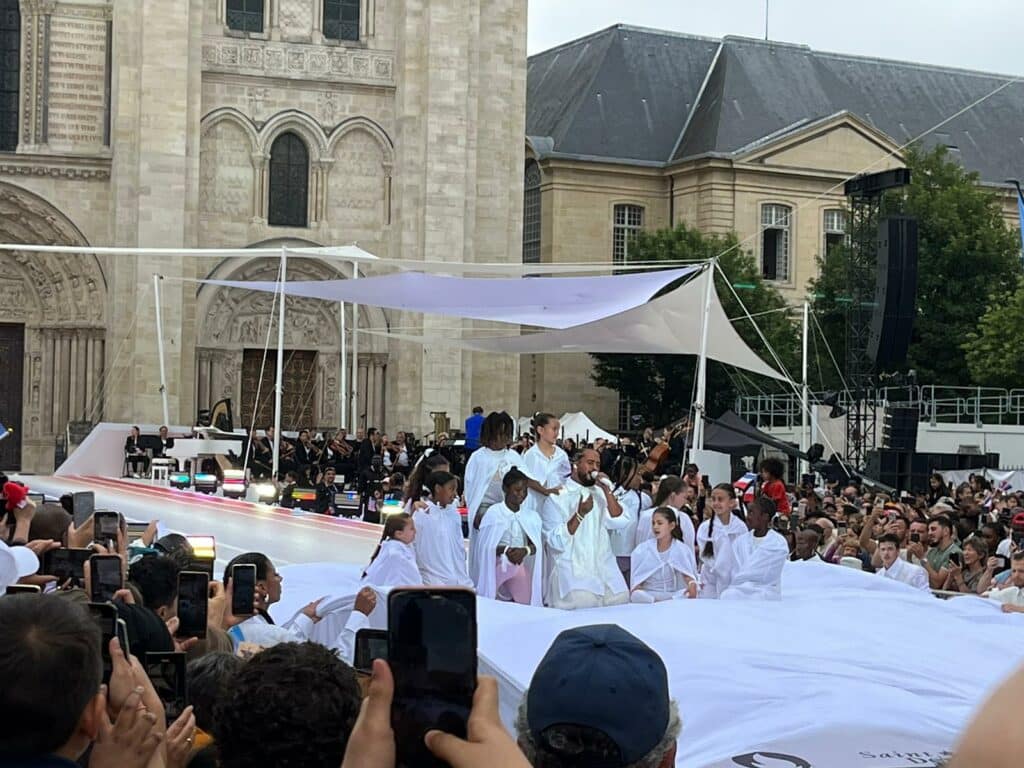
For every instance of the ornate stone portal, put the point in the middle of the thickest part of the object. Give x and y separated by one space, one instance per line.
60 299
232 320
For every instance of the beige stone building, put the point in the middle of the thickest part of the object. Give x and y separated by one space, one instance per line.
232 123
634 128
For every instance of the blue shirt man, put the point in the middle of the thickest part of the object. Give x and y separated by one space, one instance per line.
473 425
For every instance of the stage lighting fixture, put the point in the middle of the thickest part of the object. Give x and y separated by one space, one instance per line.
266 492
234 483
390 507
305 498
206 482
180 480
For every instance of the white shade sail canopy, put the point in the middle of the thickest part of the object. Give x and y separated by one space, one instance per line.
550 302
667 325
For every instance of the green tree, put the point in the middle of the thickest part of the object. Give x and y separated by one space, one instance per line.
966 252
995 354
661 387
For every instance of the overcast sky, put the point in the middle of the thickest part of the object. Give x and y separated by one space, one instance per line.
974 34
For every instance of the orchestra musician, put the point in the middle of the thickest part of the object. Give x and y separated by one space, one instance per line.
135 453
260 456
306 454
340 453
164 444
286 460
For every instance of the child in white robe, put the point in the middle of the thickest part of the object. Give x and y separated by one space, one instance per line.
440 547
394 562
511 548
714 542
663 568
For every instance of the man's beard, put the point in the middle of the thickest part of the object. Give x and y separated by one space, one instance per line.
585 480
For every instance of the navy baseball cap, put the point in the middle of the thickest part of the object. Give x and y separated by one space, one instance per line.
603 678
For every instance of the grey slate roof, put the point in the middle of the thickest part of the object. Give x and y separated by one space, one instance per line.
648 96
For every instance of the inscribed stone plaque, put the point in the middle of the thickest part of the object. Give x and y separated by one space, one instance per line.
77 75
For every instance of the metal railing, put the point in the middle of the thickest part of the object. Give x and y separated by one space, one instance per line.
936 404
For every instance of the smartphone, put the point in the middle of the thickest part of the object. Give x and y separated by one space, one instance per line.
167 673
83 503
193 596
842 529
25 589
243 590
105 616
66 564
106 576
915 538
956 560
370 644
432 652
106 525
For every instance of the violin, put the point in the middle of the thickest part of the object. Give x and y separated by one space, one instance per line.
340 447
656 457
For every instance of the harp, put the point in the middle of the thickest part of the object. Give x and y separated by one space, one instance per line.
221 417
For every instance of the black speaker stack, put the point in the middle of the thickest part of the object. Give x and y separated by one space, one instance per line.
900 430
909 471
892 322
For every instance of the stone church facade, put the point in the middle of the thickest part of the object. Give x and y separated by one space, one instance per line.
231 124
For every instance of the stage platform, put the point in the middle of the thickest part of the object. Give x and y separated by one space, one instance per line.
284 535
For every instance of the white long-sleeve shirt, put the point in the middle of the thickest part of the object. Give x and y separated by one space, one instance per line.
759 564
907 573
440 548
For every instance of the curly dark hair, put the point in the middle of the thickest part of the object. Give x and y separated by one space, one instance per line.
157 580
292 705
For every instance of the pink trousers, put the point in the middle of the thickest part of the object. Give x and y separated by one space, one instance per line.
513 584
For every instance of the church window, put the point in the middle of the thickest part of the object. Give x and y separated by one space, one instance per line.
531 213
775 239
245 15
10 66
341 19
289 181
835 230
628 221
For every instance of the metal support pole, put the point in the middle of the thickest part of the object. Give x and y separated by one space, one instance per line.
343 391
805 438
160 349
278 387
355 355
702 361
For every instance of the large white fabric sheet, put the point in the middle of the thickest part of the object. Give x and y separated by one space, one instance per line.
667 325
557 302
846 665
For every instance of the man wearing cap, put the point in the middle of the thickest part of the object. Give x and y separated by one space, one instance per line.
16 563
599 699
576 522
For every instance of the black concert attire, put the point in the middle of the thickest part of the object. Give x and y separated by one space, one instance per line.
305 459
286 499
326 499
135 455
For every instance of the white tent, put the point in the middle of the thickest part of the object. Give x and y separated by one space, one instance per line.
558 302
582 428
667 325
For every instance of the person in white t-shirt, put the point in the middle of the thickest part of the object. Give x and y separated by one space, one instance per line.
1012 597
893 567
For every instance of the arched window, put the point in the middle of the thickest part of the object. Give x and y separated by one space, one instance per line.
10 70
289 181
245 15
531 213
775 239
341 19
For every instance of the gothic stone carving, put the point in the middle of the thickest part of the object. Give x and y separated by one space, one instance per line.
299 61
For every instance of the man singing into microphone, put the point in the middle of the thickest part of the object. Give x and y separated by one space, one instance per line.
584 573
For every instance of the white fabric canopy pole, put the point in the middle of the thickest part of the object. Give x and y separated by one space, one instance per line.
702 361
355 355
805 440
160 349
343 391
280 363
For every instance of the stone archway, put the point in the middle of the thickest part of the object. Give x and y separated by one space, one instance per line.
59 300
233 320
